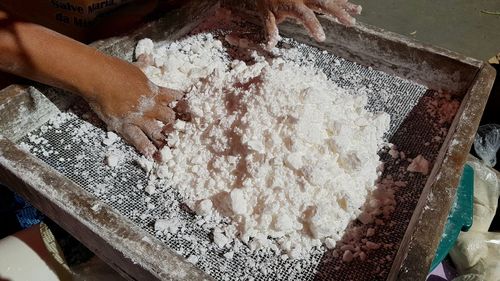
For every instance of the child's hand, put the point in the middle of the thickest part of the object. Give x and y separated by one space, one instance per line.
134 107
117 91
275 11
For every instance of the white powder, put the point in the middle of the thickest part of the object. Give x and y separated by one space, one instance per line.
274 145
167 225
229 255
192 259
144 47
113 158
110 139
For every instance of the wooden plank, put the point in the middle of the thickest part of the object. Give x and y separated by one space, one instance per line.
424 233
438 69
133 252
140 256
170 27
23 109
433 67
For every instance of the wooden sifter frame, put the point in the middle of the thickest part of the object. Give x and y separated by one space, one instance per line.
138 255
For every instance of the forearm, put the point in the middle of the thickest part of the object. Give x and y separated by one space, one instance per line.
37 53
118 91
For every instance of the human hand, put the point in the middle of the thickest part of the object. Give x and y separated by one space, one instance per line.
134 107
274 12
119 92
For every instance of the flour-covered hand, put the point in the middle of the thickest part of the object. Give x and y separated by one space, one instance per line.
117 91
275 11
134 107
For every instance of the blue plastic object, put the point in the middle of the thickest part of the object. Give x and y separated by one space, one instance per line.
460 217
26 214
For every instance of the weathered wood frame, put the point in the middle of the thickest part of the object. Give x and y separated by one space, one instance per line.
139 256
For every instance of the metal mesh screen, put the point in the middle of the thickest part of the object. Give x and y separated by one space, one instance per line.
75 148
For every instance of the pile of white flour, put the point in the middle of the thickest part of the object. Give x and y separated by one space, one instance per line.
274 145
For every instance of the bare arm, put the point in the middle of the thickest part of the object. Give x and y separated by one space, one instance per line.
118 91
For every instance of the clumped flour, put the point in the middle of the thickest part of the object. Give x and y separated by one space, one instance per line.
272 144
275 161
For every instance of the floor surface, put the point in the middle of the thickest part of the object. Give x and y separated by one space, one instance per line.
464 26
